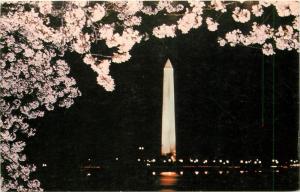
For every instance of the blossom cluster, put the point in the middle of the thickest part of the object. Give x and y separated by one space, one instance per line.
284 37
164 31
264 36
33 79
241 15
211 25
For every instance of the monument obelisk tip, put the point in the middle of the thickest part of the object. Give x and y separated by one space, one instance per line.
168 64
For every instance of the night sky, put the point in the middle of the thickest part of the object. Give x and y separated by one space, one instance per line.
229 103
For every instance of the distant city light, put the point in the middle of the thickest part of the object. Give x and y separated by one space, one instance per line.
141 148
276 165
275 161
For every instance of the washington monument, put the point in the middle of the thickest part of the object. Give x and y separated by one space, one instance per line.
168 137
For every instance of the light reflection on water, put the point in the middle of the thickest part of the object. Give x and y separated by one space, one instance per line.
167 190
182 180
167 180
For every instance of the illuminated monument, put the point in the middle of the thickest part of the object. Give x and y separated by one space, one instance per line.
168 137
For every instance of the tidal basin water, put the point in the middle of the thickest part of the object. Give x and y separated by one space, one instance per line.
180 180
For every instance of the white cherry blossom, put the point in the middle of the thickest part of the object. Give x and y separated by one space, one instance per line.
268 49
257 10
98 12
211 25
241 15
164 31
189 21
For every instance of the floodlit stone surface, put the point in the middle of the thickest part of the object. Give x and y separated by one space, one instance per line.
168 138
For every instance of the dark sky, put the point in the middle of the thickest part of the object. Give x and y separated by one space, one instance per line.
230 102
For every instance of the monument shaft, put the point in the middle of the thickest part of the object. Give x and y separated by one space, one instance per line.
168 138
